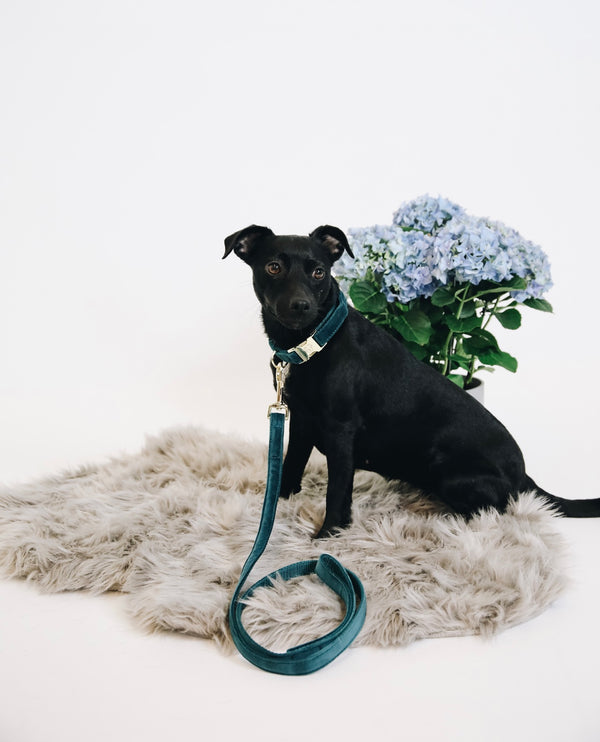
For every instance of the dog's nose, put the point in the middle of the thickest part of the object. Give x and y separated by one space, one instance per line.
300 306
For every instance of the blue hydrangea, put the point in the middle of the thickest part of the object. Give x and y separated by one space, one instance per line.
434 242
484 250
404 262
474 251
426 213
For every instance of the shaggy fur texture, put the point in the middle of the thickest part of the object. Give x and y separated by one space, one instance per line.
172 526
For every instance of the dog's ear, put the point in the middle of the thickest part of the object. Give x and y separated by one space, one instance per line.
333 240
244 241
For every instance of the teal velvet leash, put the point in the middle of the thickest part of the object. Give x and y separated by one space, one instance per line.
315 654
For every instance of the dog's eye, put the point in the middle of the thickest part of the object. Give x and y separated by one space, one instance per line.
273 268
318 273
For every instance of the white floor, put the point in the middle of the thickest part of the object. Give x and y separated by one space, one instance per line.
74 668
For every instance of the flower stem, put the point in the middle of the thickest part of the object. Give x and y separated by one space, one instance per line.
446 353
492 312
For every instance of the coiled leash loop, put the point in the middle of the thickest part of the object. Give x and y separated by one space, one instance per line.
315 654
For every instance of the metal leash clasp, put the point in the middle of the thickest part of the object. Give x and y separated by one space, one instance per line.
281 372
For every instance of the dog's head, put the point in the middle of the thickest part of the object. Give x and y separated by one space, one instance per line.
291 274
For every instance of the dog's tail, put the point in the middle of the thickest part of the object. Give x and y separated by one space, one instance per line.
569 508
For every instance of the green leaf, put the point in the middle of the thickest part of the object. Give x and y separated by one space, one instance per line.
467 309
435 314
378 318
437 341
511 319
490 289
367 298
414 326
541 304
468 324
458 379
499 358
442 297
460 361
460 358
418 351
474 346
515 284
481 339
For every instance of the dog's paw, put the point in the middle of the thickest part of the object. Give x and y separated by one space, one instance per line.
328 531
286 491
324 532
332 527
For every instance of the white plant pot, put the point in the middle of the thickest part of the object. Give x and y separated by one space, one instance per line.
477 390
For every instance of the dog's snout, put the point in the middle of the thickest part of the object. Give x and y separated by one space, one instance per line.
300 306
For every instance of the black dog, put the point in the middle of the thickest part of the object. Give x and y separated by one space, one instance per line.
365 402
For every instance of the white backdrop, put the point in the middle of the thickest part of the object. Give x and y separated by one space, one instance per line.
135 136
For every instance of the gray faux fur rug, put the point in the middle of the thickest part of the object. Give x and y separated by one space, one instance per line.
172 525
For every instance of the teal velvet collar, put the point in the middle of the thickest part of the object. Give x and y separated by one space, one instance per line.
305 350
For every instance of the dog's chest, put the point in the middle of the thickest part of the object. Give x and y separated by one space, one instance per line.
302 391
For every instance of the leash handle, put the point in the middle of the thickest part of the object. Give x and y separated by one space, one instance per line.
315 654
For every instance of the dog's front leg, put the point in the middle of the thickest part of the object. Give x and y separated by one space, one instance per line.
340 478
298 452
